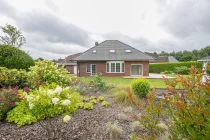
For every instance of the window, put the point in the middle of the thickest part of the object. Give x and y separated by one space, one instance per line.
88 68
94 51
107 67
91 68
128 51
112 67
115 67
123 67
112 51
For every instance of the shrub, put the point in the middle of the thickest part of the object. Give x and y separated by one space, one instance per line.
44 103
161 67
114 130
140 87
122 116
151 118
8 99
88 106
123 98
14 58
182 70
93 101
47 71
105 104
190 112
13 78
101 98
98 83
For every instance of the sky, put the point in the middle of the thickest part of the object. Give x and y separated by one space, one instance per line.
57 28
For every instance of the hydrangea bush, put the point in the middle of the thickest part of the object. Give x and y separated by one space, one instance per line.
47 71
42 103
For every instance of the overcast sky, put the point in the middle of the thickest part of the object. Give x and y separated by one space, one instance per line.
57 28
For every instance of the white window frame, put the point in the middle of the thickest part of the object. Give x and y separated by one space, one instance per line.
110 62
141 69
90 68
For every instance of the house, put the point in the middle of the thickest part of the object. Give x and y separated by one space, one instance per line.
113 58
162 59
68 63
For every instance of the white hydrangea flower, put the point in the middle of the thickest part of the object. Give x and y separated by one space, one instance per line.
66 102
162 126
58 89
66 118
55 100
30 105
29 98
67 88
50 92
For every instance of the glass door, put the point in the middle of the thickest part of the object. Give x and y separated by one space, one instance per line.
136 70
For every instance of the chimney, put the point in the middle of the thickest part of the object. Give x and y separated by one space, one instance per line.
96 43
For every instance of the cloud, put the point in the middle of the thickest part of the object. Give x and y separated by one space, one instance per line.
47 33
8 10
53 28
184 18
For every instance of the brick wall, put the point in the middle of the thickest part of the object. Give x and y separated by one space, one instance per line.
101 68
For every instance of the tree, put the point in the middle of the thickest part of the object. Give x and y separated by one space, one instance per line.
13 36
12 57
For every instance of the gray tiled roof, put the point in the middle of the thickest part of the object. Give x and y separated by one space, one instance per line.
172 59
103 52
207 58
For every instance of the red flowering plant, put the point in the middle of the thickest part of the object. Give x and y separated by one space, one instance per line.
8 98
189 110
150 117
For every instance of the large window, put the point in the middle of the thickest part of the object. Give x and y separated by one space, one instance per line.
91 68
115 67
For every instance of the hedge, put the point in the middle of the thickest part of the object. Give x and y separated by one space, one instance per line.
161 67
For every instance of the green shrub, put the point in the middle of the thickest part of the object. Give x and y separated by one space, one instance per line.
21 114
122 97
47 71
8 99
140 87
100 98
88 106
105 104
93 101
182 70
161 67
44 103
13 77
98 83
14 58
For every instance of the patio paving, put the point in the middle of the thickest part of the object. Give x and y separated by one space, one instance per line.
151 76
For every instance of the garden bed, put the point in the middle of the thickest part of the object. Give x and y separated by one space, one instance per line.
84 125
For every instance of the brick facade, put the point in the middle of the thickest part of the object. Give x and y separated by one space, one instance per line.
70 69
101 68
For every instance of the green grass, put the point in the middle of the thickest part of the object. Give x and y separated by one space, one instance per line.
117 81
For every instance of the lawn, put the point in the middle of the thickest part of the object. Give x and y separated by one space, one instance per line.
117 81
